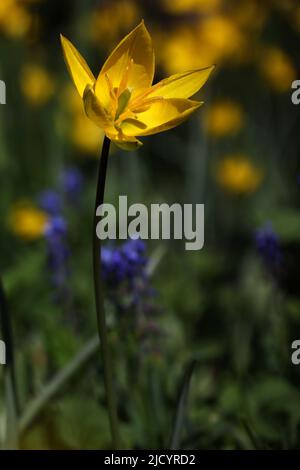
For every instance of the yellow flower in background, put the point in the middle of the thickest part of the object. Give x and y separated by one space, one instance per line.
222 36
211 39
250 14
185 6
85 135
37 84
27 222
15 19
278 69
224 118
122 100
238 175
179 51
110 22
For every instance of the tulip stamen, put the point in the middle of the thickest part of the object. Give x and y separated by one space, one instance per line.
128 114
122 102
146 93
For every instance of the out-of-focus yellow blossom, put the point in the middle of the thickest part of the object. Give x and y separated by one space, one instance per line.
110 22
250 14
214 39
179 51
238 175
277 69
27 222
37 84
185 6
122 100
85 135
224 118
222 36
15 19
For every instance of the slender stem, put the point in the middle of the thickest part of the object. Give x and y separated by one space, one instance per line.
99 298
10 377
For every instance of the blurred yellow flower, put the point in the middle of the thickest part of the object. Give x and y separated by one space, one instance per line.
179 51
238 175
250 14
224 118
222 36
15 19
122 100
85 135
185 6
110 22
27 222
277 69
37 84
213 39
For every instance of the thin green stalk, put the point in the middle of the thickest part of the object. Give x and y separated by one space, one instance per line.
99 298
12 406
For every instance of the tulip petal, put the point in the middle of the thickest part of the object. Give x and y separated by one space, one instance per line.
77 66
131 64
95 112
182 85
161 116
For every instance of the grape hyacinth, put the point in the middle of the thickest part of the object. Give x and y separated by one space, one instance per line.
129 287
71 182
54 202
57 253
126 262
51 202
268 245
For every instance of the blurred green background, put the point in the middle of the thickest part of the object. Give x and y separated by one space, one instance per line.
234 306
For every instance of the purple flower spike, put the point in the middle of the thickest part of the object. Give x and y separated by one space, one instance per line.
50 201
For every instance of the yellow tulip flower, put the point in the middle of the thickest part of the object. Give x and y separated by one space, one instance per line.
122 100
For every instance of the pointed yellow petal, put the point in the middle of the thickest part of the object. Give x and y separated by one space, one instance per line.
130 65
161 116
182 85
95 111
77 66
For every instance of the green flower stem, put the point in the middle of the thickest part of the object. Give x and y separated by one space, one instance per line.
12 405
99 298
